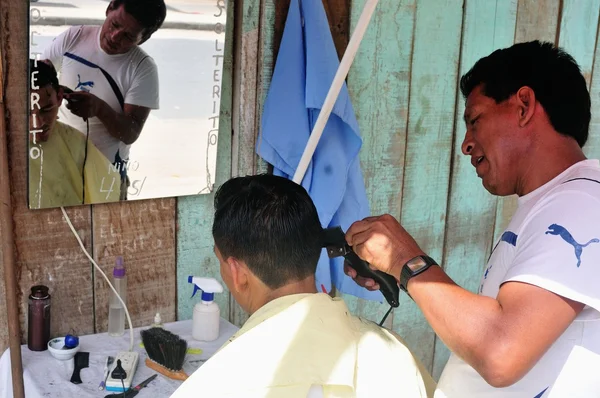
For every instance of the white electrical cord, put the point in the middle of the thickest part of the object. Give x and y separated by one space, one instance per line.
103 274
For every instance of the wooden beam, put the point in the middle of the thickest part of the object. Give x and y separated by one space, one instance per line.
6 234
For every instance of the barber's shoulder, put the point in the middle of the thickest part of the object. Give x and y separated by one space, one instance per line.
76 31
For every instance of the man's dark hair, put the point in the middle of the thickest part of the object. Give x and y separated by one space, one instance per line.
46 74
549 71
271 224
149 13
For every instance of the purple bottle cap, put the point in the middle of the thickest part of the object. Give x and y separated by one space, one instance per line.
119 270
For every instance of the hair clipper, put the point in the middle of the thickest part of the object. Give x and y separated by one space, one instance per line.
67 90
334 240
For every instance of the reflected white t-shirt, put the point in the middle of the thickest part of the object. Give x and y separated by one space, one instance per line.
553 241
84 66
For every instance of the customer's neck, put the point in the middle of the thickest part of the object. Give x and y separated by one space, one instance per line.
306 285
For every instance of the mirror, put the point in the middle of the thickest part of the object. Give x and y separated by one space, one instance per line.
120 110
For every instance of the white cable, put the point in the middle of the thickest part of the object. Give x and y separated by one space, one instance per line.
103 274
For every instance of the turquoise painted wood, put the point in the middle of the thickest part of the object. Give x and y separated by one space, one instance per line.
195 213
378 83
471 209
578 31
578 35
592 148
431 113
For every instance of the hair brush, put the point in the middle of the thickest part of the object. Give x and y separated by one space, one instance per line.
166 352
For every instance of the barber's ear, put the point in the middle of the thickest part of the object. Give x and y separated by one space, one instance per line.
526 105
239 274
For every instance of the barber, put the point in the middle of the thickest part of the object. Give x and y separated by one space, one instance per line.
527 118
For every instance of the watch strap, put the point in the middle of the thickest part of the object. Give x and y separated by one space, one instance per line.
406 273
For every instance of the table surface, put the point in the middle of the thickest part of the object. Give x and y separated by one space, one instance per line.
45 376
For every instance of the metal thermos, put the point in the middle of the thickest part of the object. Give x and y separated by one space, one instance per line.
38 332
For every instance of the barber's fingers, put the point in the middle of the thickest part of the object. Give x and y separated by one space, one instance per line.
358 227
367 283
79 109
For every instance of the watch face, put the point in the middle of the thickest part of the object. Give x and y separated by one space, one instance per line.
416 264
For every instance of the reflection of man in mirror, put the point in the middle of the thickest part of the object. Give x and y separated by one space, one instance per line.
68 167
115 82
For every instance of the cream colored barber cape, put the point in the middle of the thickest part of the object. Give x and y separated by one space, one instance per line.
297 341
55 177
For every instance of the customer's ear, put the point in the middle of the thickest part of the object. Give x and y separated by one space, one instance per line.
239 274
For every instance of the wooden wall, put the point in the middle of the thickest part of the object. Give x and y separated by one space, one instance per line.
403 84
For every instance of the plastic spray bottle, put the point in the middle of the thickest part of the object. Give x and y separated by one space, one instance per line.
116 312
207 316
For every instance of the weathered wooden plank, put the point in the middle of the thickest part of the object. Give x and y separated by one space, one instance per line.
536 20
46 251
379 83
592 148
338 15
195 213
246 75
487 26
246 78
266 64
429 143
577 35
143 233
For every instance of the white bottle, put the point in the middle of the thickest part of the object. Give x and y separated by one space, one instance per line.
116 312
207 316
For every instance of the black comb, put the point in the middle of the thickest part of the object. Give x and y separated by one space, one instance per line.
334 240
81 361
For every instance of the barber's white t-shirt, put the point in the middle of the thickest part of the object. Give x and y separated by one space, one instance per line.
553 241
130 78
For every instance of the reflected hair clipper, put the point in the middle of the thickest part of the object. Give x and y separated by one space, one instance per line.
67 90
334 240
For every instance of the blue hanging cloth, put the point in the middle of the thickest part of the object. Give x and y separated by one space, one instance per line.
305 68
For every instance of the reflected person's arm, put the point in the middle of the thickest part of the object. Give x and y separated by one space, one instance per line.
125 126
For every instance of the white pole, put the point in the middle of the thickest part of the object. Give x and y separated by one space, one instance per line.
334 90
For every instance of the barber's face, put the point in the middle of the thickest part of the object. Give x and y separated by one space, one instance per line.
120 31
492 141
43 117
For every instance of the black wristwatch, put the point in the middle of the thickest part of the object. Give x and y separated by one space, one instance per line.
414 267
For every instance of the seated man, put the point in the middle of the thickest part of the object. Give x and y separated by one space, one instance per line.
297 343
59 153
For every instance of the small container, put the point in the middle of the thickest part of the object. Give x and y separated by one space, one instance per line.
38 318
116 311
157 321
59 350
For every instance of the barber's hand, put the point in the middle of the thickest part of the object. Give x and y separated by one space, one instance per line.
383 243
82 104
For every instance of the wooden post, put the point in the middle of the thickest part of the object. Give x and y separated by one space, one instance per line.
8 255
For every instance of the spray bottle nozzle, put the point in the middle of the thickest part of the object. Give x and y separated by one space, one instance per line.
207 285
196 288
